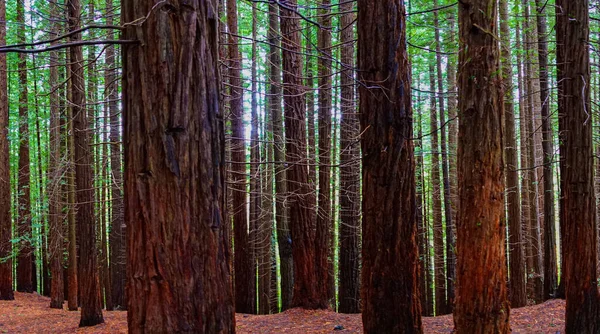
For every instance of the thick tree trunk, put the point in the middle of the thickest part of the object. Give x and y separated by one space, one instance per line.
73 277
56 227
308 292
244 299
577 172
6 267
284 239
438 226
89 284
482 303
390 296
349 237
25 262
518 292
178 273
550 265
324 215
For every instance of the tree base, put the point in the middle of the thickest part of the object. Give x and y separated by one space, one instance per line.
93 321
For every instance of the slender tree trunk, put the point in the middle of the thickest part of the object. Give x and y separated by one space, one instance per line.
449 228
482 302
307 292
550 270
390 297
324 216
438 227
91 305
73 277
25 262
178 272
244 300
284 239
6 266
424 282
518 292
577 172
56 237
349 238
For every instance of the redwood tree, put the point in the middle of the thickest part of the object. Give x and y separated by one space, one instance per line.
577 170
178 273
6 268
389 271
481 301
308 291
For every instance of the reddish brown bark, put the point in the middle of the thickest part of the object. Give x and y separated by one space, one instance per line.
390 297
481 303
308 292
56 227
577 171
6 271
178 274
89 284
518 293
349 237
25 259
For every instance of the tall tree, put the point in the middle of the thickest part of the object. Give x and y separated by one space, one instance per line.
349 238
89 285
178 272
25 259
481 301
55 247
577 171
550 270
244 301
389 271
324 214
6 267
284 240
518 293
308 292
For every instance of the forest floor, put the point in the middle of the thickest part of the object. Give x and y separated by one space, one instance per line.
29 313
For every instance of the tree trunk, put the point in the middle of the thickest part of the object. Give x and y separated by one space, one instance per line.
178 273
73 277
481 304
349 237
284 239
449 228
518 292
308 292
91 305
390 296
244 300
438 227
25 259
324 216
56 237
6 266
577 172
550 270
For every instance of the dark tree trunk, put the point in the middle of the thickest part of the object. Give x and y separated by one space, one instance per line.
518 292
178 274
56 226
73 277
481 303
244 299
284 239
324 214
550 270
6 267
577 171
308 292
390 297
349 265
25 262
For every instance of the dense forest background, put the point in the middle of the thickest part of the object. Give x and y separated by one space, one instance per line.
294 181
